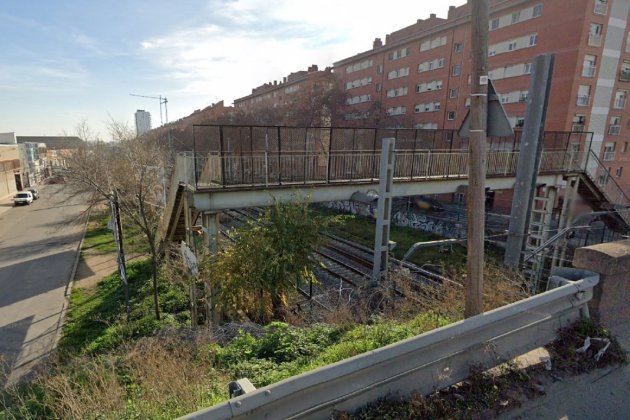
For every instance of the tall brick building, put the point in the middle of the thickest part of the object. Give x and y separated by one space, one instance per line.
420 75
292 96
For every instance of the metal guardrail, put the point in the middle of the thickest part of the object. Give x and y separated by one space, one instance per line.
424 363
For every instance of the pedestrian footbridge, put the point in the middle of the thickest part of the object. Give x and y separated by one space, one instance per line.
247 166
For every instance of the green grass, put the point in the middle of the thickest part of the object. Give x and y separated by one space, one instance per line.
96 318
361 229
100 240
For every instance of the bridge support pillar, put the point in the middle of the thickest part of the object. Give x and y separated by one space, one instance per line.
212 233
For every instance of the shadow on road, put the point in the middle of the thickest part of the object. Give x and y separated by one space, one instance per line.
13 337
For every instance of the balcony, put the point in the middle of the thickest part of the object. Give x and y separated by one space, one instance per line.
594 40
620 103
614 130
600 8
583 100
588 70
624 75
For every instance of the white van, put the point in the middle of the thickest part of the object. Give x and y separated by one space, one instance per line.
23 197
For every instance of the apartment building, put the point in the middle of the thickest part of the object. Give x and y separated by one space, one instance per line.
295 89
420 75
143 121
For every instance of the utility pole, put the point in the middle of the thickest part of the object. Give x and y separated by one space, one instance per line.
477 157
118 236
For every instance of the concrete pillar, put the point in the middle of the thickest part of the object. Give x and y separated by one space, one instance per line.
213 232
610 305
212 239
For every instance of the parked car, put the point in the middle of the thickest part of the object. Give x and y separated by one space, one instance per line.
23 197
34 192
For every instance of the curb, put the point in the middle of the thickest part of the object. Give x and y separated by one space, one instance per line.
66 293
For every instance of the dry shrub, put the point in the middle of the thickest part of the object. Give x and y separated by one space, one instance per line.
401 297
165 376
89 387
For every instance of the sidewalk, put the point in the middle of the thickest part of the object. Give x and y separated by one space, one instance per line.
602 394
5 204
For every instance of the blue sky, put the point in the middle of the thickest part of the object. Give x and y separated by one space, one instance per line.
67 60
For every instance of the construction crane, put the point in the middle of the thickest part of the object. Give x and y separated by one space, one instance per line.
163 101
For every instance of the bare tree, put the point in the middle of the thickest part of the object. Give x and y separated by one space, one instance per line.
134 168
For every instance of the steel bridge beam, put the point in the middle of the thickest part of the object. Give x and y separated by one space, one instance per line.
217 200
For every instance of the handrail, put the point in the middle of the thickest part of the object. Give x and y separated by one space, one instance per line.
609 177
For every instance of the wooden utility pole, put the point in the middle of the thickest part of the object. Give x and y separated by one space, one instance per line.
477 162
122 265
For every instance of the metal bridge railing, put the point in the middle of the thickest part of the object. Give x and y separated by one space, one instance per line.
270 169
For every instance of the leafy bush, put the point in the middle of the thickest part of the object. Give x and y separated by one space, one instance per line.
96 320
284 351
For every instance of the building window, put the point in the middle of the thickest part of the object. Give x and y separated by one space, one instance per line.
527 68
624 148
494 24
458 47
378 87
452 93
379 69
588 66
451 115
620 99
467 102
515 17
457 69
537 10
533 40
619 171
609 152
401 53
601 7
398 110
595 35
395 74
401 91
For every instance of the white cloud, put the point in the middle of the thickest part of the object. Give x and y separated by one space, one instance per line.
250 42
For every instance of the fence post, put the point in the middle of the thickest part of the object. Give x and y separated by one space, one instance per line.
374 153
251 153
194 156
330 140
279 158
413 154
223 178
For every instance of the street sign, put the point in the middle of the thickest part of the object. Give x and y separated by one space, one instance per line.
498 124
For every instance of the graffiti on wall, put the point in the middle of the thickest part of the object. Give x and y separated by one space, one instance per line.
405 218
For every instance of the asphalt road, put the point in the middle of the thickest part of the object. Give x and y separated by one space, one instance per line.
38 246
